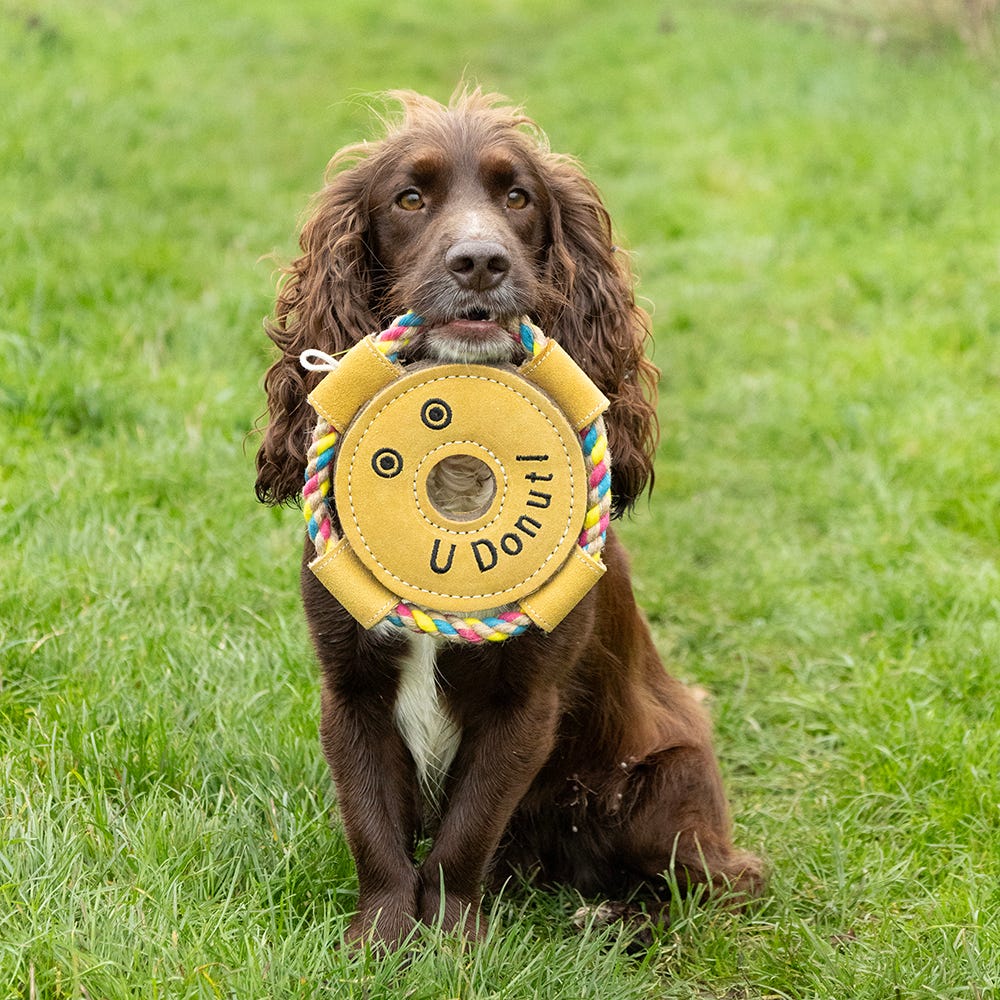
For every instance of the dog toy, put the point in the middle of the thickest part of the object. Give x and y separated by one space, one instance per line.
387 438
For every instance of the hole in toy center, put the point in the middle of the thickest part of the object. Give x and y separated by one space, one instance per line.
461 487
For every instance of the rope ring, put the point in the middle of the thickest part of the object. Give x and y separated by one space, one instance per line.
317 502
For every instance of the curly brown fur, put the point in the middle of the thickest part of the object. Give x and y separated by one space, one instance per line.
572 755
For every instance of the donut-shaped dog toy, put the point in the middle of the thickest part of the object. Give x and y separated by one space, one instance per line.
521 548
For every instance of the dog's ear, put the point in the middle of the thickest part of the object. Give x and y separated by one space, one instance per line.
596 319
325 301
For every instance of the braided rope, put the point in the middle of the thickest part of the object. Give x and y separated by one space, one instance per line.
506 621
598 462
392 342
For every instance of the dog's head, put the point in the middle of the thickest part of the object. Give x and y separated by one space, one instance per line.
462 214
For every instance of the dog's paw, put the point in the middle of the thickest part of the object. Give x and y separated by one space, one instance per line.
637 922
454 914
600 915
383 927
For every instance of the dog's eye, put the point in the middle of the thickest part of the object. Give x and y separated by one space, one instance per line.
517 198
411 200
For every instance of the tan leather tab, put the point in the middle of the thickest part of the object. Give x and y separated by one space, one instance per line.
559 376
361 594
363 371
550 604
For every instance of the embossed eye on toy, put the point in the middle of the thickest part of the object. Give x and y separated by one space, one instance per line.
526 545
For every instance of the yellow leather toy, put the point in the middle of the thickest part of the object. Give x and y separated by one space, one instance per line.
522 544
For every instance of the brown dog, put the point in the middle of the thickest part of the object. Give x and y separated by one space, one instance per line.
571 756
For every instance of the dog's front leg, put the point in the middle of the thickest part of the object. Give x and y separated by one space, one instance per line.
371 767
374 775
501 752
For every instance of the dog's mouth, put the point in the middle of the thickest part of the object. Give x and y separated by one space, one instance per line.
476 335
476 323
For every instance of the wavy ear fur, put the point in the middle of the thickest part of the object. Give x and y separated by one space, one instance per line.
325 301
599 324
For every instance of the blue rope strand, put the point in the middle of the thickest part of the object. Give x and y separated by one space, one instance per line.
527 338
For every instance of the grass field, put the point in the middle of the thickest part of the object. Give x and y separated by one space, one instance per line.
816 221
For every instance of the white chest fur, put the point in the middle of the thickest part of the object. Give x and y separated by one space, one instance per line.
422 718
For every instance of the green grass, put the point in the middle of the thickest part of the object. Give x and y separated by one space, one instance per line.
815 219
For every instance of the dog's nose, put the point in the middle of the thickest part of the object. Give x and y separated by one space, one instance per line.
478 264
